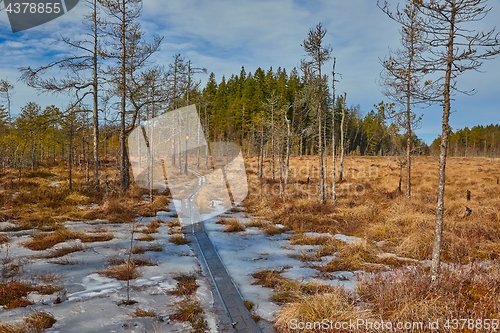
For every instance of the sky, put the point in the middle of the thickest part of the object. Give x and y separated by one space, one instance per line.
224 35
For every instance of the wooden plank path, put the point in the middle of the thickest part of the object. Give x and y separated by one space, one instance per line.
240 319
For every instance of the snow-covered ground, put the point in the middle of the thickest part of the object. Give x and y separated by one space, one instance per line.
90 301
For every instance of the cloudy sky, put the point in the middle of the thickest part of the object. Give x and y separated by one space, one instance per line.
224 35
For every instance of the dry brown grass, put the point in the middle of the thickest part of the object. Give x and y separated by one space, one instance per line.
186 285
190 310
336 305
88 237
43 241
355 257
64 251
37 322
178 239
114 210
256 223
123 272
286 291
406 295
368 205
155 247
152 227
232 225
272 230
4 239
143 313
301 239
174 224
150 209
13 293
144 238
7 328
138 249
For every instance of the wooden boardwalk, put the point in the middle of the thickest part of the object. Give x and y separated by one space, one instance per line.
239 317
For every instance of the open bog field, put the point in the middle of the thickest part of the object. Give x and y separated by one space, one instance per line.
360 264
391 238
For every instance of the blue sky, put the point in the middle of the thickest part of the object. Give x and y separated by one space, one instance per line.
223 35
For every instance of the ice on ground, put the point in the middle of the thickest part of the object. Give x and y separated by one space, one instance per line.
349 239
95 285
317 234
90 301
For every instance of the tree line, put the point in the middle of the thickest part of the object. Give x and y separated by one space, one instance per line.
479 140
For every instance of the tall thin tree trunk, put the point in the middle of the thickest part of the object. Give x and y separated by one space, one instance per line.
261 153
342 151
287 162
320 153
124 167
445 129
334 191
95 87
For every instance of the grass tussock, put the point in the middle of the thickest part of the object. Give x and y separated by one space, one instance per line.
178 239
256 223
138 249
123 272
186 285
64 251
155 247
174 224
144 313
272 230
233 225
37 322
43 241
190 310
354 257
144 238
4 239
87 237
301 239
159 203
114 210
13 294
286 291
152 227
